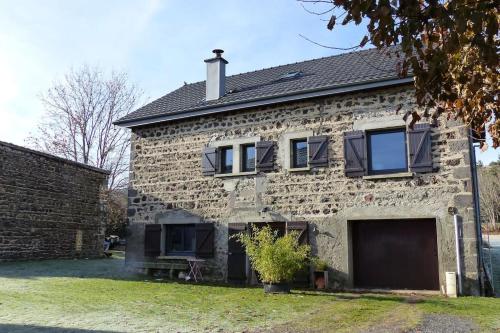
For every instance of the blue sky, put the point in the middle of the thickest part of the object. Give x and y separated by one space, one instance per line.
160 44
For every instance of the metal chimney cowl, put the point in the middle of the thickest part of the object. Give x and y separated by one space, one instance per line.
216 76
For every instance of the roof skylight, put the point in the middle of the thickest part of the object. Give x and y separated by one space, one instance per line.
291 75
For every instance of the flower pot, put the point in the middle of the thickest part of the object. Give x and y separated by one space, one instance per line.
276 288
321 279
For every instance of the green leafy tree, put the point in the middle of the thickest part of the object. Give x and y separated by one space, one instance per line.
276 259
451 46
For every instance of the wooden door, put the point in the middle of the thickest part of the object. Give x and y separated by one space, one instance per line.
236 256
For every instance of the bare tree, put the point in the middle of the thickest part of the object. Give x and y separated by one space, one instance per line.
489 193
78 122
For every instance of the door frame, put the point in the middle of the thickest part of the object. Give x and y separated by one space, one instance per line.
250 276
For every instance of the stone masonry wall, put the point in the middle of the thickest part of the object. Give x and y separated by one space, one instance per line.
166 177
49 207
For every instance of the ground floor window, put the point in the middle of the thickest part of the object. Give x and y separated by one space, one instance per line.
181 239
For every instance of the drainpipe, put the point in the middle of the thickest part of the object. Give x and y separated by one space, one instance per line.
477 212
457 250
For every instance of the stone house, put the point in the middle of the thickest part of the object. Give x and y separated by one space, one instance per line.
50 207
316 146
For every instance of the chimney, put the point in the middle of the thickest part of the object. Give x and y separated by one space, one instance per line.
216 76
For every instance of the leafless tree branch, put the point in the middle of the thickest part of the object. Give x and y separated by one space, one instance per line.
78 122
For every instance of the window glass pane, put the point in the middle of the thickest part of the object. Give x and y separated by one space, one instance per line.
299 153
181 239
248 158
189 239
226 165
387 151
176 244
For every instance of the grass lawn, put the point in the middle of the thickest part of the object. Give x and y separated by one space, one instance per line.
100 296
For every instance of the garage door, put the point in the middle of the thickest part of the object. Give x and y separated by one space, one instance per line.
396 254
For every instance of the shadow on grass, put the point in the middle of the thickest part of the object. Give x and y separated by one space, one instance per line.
12 328
105 268
113 268
356 296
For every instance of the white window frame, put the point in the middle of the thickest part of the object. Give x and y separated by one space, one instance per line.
237 153
285 149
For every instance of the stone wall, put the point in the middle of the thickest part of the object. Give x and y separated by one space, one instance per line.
49 207
166 177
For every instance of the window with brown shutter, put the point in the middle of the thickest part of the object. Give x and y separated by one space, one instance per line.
209 161
152 240
420 148
386 151
265 155
354 154
318 151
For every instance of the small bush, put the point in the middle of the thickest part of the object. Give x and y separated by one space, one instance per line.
319 264
276 259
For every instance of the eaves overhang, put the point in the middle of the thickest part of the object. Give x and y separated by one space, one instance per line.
263 101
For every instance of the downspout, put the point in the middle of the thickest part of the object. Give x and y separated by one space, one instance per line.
457 253
477 212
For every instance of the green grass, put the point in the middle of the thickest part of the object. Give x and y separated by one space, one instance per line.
99 295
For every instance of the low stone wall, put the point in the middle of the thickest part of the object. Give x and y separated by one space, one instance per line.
49 207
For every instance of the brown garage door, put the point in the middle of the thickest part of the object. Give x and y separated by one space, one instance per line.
395 254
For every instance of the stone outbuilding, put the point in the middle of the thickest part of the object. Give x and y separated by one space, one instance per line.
50 207
320 147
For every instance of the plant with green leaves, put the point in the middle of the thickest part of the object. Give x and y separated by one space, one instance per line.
276 259
320 265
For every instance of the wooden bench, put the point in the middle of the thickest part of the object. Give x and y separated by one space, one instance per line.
170 263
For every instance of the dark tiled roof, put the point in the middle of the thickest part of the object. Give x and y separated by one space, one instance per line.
323 73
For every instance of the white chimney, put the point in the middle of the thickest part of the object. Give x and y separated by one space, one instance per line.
216 76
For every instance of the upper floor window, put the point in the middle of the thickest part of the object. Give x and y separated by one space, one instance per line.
387 151
299 153
248 157
226 160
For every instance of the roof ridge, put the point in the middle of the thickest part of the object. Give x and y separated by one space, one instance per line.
293 63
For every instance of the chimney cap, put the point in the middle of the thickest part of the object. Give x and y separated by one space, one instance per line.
218 56
218 52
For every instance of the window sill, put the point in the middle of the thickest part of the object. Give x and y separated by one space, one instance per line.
389 175
299 169
238 174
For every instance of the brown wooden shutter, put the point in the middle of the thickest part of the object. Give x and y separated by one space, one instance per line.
264 155
152 240
420 148
354 154
318 151
301 228
209 161
204 240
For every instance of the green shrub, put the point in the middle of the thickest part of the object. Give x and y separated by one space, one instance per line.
276 259
319 264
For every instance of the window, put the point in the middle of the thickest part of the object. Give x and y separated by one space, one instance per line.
226 160
248 157
387 151
299 153
181 239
